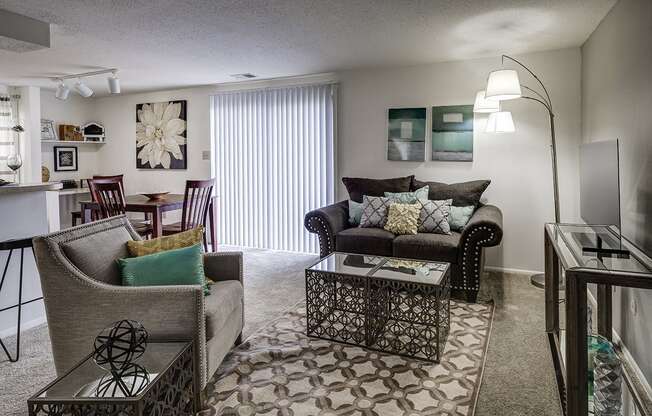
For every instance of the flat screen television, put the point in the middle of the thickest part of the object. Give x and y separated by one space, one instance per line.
600 195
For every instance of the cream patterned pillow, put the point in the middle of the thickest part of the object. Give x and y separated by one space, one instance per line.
434 216
403 219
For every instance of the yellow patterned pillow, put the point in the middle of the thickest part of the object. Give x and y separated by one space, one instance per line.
403 219
169 242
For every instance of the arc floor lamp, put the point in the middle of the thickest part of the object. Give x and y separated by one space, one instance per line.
504 84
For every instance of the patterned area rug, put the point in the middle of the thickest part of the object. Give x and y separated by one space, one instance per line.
281 371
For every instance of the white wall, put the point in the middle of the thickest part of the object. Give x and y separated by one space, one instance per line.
118 155
77 111
616 102
518 164
118 113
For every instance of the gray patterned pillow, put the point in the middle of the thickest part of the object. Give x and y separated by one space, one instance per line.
434 216
374 211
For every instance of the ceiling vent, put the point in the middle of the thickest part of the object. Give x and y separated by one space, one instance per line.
246 75
20 33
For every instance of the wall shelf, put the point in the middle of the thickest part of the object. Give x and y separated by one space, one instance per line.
69 142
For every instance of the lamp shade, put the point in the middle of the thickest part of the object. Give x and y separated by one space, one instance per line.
503 85
482 105
500 122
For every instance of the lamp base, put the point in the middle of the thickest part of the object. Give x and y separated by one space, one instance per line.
539 280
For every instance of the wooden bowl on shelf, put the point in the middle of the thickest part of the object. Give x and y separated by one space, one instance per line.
157 196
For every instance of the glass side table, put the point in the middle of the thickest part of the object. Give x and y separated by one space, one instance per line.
571 249
170 390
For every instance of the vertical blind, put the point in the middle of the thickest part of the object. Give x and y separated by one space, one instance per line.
7 135
273 158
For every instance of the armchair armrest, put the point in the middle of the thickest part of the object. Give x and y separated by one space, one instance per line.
484 229
326 222
223 266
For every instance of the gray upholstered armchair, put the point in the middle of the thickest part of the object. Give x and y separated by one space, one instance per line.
82 293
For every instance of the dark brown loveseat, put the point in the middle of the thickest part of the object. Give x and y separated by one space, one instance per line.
463 250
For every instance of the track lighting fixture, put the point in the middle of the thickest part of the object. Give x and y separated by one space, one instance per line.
84 90
114 83
62 91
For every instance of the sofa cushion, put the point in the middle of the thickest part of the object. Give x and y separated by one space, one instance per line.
182 266
403 218
365 241
225 297
462 194
433 217
95 254
169 242
358 187
374 211
408 197
440 247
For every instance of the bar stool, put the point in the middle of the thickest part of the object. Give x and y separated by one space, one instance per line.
12 245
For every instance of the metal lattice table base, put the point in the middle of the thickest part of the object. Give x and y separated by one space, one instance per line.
399 317
171 395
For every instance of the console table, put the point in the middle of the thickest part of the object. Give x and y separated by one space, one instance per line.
565 252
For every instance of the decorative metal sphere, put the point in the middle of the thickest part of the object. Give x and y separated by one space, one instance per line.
120 344
127 382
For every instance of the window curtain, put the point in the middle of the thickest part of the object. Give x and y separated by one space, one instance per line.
7 135
274 160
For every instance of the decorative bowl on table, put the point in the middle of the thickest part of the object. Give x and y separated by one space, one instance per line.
156 196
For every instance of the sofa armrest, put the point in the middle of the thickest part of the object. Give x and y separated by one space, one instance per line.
484 229
326 222
223 266
488 221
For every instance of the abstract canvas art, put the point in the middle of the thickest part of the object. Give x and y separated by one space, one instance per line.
452 133
161 135
406 134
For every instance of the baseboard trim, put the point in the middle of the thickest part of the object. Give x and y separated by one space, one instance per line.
511 270
11 331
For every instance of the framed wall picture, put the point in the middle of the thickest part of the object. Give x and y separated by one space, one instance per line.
452 133
406 134
47 130
161 140
65 158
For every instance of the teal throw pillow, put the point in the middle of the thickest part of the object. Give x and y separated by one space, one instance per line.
355 212
420 194
183 266
459 216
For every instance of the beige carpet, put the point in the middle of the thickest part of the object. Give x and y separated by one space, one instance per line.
281 371
518 378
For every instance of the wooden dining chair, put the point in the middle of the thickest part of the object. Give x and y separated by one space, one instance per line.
77 215
196 203
109 195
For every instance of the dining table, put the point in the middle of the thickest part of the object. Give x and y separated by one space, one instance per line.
152 208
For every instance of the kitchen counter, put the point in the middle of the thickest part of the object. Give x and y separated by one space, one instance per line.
74 191
30 187
28 210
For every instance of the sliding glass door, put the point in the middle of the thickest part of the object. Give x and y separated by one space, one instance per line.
274 160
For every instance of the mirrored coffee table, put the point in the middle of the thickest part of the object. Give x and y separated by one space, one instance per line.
393 305
170 390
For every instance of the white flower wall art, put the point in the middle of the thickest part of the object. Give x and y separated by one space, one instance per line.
161 135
